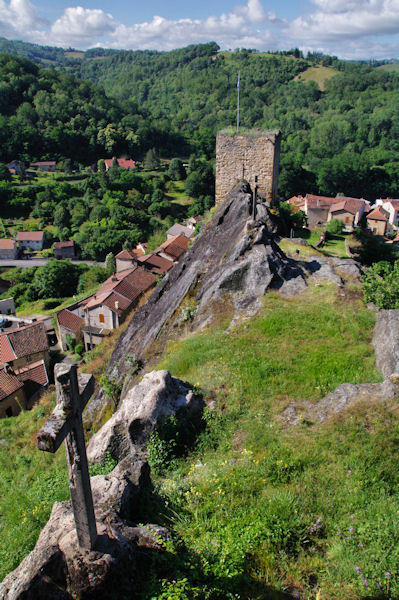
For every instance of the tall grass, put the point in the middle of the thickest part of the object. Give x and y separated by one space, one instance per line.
264 508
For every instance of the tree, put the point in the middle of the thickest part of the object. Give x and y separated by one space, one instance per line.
381 284
56 279
5 174
110 263
176 169
151 160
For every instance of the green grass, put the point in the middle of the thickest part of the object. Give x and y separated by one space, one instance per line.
263 508
318 74
30 481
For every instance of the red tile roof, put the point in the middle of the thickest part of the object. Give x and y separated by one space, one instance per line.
129 254
350 205
313 201
117 303
9 384
6 352
174 246
35 372
142 280
69 320
26 340
7 244
108 298
68 244
157 264
122 162
378 214
27 236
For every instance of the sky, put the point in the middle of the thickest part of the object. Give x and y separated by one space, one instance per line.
349 29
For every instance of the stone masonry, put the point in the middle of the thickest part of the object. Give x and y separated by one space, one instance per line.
247 155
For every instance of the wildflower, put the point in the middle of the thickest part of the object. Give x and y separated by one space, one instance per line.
350 529
357 569
338 533
387 575
319 519
364 582
352 517
349 472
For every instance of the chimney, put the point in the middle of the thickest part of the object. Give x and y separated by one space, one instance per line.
116 304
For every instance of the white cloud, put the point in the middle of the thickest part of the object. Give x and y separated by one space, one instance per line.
81 26
240 27
19 17
347 28
340 20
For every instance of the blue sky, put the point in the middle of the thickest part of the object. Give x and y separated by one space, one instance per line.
353 29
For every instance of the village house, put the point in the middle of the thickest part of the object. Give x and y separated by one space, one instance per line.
15 166
173 248
43 165
31 239
377 220
64 250
24 359
349 211
125 259
178 229
108 308
193 221
12 394
69 326
321 209
123 163
155 264
392 208
8 249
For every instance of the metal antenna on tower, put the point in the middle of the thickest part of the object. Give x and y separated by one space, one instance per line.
238 101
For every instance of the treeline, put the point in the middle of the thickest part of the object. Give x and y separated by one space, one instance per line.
339 139
45 114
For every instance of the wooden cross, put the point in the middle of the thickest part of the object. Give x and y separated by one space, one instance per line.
65 423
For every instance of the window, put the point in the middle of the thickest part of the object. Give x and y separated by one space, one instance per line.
101 318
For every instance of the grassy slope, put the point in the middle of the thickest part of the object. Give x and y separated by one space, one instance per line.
317 74
264 508
246 500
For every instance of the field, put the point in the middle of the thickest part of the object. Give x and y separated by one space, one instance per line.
317 74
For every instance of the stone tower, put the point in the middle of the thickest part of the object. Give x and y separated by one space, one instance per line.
251 154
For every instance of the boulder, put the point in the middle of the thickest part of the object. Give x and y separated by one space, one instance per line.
142 410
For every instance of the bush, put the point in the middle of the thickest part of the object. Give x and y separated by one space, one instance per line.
79 349
335 226
381 284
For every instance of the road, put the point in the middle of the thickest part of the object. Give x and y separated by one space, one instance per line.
38 262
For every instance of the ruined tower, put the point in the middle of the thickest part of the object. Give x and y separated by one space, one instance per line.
248 154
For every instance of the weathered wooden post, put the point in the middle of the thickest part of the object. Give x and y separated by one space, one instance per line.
65 423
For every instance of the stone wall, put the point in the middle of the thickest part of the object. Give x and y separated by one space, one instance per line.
246 156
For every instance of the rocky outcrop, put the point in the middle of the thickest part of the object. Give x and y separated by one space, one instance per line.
143 409
57 568
386 347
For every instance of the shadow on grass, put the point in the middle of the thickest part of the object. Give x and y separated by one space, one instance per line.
178 572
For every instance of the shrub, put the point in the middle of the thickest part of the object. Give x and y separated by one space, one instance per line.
335 226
